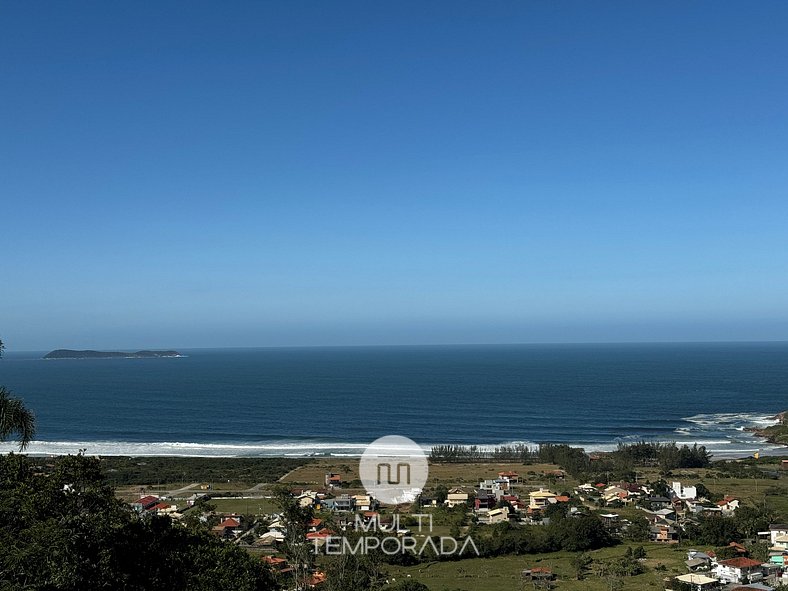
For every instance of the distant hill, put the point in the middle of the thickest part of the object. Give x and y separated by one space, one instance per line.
71 354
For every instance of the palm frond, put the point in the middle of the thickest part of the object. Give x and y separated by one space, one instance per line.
15 419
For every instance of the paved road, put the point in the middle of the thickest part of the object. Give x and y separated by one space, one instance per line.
185 489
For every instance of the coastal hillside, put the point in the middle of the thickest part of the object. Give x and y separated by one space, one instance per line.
777 433
89 354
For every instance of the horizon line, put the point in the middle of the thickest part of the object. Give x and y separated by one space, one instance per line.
414 345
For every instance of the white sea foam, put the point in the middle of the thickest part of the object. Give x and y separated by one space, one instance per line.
723 434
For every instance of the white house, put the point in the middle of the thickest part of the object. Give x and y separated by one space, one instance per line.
684 492
728 505
738 570
777 530
454 499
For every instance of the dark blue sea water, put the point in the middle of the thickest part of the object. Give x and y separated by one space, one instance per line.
336 400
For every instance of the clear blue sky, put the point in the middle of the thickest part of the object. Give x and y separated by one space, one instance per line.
310 173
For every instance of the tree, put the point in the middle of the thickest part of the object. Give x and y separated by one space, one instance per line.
298 551
15 419
581 562
638 529
350 571
67 531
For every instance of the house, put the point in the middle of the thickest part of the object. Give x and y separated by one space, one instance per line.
455 499
614 493
697 564
333 480
344 503
728 505
663 533
610 519
364 503
314 524
684 492
777 530
539 499
514 501
510 477
655 503
307 498
778 552
698 506
698 582
278 565
144 503
270 538
498 515
498 487
738 570
227 528
484 501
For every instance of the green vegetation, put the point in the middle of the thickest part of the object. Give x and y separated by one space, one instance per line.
15 418
615 465
67 531
148 470
777 433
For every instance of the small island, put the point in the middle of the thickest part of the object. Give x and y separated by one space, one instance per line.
88 354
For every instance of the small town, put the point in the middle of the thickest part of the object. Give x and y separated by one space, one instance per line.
674 528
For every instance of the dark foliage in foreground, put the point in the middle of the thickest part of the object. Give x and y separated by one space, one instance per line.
67 531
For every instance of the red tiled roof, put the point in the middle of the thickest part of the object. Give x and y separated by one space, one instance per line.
159 507
741 563
273 560
562 499
144 501
229 523
323 533
315 522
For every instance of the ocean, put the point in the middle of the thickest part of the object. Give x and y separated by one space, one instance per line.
334 401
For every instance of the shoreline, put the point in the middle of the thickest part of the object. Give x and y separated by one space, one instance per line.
119 449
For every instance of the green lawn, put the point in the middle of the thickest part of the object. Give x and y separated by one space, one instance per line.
503 573
260 506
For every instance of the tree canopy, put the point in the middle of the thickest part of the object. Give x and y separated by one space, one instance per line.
67 531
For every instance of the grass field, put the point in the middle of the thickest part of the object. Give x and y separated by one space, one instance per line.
502 574
313 474
253 506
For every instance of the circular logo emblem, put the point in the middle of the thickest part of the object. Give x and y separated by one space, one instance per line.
394 469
